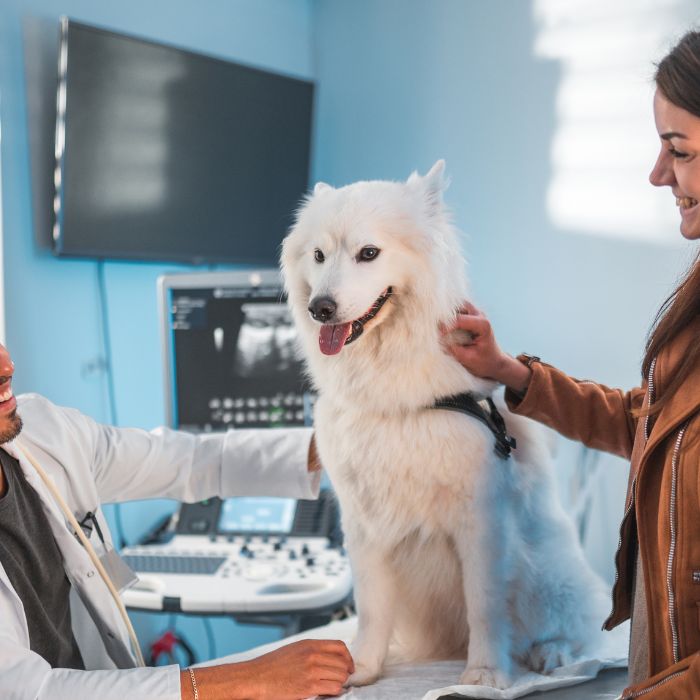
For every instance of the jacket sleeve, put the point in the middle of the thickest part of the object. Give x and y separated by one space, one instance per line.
581 410
129 463
678 682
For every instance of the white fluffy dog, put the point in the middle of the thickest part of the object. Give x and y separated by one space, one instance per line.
456 552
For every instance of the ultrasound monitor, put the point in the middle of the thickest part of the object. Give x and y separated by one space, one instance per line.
257 515
230 353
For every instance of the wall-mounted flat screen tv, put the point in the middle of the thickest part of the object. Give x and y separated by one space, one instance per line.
166 154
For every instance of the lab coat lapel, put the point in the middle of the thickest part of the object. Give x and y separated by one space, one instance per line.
75 558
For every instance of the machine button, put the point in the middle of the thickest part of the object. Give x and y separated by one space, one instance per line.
199 525
259 572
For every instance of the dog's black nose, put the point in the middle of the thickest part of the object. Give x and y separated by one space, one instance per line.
322 309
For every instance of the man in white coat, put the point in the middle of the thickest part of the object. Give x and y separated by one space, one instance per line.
62 635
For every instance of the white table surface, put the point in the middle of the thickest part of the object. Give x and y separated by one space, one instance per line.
437 679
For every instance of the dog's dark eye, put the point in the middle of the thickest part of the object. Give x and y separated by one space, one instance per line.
369 252
319 257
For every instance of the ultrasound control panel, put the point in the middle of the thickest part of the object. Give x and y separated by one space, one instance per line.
245 555
240 575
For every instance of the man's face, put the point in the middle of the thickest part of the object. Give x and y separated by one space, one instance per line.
10 422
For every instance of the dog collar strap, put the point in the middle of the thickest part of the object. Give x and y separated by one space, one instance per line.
492 419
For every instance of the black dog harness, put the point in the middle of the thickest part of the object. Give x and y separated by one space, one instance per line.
492 419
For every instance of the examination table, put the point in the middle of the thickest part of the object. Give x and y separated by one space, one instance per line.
437 680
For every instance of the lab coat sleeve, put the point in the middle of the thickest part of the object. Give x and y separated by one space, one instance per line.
25 675
129 463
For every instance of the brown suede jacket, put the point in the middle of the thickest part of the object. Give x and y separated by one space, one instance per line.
662 511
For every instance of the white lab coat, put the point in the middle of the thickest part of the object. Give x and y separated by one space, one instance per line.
93 464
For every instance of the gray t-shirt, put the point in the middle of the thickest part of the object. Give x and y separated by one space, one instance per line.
33 562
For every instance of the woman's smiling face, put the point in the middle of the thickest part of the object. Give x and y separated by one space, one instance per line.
678 164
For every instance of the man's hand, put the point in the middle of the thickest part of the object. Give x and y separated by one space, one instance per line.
313 462
482 355
293 672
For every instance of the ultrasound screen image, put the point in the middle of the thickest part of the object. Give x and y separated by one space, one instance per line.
257 515
235 360
266 342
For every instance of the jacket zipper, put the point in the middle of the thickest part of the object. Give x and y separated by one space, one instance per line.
672 548
639 693
672 516
651 390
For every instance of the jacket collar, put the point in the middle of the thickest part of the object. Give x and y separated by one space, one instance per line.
686 400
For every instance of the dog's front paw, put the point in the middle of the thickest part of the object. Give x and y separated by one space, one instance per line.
365 674
544 657
491 677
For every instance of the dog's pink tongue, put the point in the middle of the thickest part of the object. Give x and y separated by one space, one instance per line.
332 338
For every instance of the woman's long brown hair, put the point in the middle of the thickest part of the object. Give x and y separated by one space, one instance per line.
678 78
680 309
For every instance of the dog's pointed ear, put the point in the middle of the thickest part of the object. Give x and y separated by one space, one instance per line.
321 187
433 184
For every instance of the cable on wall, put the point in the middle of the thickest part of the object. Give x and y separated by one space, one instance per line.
210 637
109 370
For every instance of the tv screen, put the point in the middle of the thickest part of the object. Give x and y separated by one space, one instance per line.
165 154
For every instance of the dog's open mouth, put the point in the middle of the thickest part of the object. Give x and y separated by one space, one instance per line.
333 337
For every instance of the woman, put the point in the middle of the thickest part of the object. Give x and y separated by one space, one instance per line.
656 426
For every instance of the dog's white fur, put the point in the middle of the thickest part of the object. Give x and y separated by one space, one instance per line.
455 552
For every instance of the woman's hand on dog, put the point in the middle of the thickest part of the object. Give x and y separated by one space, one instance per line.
481 354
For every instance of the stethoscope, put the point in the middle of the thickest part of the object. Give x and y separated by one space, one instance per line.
88 548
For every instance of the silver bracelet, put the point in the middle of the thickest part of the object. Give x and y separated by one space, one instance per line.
194 684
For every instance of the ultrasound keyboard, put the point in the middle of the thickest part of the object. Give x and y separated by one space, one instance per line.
239 575
165 564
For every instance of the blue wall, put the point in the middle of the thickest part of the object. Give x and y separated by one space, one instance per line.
52 309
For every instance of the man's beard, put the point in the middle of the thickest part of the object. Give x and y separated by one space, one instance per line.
13 431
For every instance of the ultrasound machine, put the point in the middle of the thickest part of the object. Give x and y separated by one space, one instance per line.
231 362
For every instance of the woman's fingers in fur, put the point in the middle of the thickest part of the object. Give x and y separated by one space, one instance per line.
475 325
469 308
464 354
